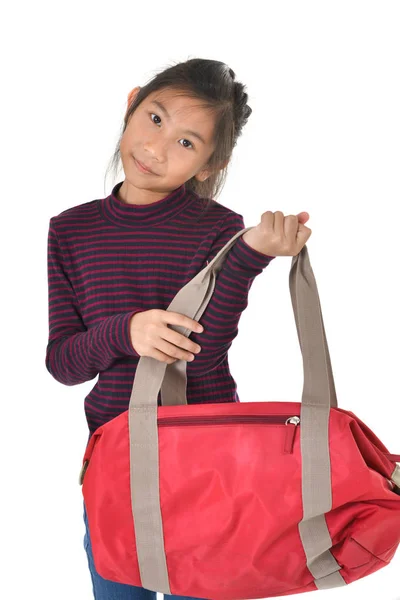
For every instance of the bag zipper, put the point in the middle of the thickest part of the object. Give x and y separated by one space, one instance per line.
291 422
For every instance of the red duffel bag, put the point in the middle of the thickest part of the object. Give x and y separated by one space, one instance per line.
232 501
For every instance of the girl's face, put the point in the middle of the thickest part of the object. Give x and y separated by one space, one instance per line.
176 145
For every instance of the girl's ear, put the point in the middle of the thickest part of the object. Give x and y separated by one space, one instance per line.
132 95
205 173
202 175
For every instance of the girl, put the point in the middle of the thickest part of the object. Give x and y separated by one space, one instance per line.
114 264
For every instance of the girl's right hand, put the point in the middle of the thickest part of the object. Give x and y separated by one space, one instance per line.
151 336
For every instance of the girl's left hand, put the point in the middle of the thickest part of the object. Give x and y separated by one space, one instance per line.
277 235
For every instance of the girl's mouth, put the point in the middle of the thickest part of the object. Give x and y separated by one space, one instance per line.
141 168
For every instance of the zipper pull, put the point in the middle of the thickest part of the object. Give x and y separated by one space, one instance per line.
291 425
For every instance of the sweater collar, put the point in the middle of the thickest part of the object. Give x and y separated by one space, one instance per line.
158 212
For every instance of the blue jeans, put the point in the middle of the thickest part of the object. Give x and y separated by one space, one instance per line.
104 589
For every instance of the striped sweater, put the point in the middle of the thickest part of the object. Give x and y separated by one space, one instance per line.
108 260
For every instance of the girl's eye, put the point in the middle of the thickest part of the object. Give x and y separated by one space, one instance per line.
151 114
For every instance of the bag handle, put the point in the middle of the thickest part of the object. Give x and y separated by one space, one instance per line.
192 300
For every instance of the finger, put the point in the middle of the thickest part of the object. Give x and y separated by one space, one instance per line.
278 222
267 220
162 357
290 226
175 338
303 217
175 351
303 235
174 318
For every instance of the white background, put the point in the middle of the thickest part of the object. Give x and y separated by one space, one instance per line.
323 83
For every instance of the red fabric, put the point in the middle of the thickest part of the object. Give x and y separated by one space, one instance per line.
231 502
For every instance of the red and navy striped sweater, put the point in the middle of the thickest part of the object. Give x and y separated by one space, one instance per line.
108 260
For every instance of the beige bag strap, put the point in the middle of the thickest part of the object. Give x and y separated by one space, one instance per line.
193 299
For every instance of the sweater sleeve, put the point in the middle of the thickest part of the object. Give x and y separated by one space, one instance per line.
230 297
74 353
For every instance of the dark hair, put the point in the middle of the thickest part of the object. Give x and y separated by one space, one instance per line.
212 82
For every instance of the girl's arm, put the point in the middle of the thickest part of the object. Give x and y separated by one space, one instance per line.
230 297
75 354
